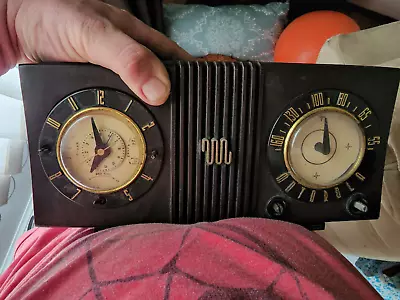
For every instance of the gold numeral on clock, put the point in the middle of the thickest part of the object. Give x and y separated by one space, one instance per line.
73 104
78 191
100 97
364 114
276 141
317 99
148 126
127 194
281 178
342 99
291 114
54 176
360 177
147 178
53 123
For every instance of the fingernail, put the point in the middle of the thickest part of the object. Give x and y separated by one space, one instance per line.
155 91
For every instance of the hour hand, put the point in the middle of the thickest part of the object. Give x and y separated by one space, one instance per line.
326 142
101 154
97 137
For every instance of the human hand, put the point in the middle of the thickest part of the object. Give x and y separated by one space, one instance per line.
87 31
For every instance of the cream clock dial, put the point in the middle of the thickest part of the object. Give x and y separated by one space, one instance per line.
94 152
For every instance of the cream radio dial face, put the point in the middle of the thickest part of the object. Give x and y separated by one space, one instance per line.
323 147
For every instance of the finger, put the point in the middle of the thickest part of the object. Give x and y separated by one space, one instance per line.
138 67
143 34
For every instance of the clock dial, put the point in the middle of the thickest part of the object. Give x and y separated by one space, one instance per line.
101 148
99 158
324 148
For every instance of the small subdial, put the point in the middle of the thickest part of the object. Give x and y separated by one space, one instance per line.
133 155
113 141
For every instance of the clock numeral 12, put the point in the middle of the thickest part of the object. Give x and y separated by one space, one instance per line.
100 97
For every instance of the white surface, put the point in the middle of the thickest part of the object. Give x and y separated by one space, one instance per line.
11 152
9 84
5 182
15 215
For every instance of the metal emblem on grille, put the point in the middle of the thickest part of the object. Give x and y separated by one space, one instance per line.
216 151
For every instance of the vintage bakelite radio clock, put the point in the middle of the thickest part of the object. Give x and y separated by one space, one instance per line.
300 143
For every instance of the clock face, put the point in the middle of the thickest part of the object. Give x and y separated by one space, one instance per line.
101 150
101 147
322 146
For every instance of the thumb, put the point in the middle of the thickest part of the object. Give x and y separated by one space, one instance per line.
104 44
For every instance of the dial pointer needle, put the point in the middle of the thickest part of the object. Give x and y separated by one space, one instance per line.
326 141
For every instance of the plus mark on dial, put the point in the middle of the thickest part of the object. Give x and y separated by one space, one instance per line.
316 175
348 146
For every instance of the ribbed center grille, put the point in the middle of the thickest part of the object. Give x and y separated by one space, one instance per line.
214 104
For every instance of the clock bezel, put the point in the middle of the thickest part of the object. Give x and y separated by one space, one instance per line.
87 111
97 98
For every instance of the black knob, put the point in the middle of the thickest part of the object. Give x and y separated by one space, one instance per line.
357 205
275 207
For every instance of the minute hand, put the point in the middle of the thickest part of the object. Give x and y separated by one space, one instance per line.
97 137
326 142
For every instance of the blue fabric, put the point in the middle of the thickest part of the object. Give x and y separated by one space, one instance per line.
247 32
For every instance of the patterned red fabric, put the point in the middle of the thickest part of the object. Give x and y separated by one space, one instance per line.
230 259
